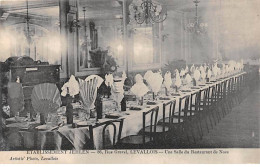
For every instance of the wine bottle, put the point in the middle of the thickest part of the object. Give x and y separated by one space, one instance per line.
69 111
123 104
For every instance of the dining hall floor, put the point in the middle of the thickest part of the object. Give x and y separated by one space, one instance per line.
238 129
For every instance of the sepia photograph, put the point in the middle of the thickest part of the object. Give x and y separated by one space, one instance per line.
129 81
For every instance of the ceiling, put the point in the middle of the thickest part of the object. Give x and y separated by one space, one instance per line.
100 9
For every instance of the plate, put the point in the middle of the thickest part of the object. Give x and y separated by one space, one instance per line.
44 127
185 90
151 103
114 115
16 119
83 123
135 108
175 94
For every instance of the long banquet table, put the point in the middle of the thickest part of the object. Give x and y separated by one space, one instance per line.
79 137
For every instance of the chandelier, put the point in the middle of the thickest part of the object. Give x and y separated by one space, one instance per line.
145 11
87 40
197 27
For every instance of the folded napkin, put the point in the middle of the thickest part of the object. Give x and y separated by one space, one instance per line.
88 90
188 78
192 68
167 80
139 88
177 79
109 79
196 74
71 87
117 90
182 73
209 73
186 69
154 80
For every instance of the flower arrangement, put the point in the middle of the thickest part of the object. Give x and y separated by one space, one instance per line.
102 58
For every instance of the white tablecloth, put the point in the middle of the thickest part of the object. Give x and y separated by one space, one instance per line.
78 137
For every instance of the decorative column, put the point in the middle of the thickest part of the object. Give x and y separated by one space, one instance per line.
69 34
125 33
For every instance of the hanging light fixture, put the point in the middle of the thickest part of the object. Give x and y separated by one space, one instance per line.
27 32
86 41
196 26
145 11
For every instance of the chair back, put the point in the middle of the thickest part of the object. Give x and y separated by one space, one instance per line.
183 106
195 100
170 106
230 86
224 89
204 98
151 117
116 131
218 91
212 94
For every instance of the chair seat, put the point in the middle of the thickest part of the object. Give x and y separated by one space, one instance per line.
167 120
182 114
134 139
159 129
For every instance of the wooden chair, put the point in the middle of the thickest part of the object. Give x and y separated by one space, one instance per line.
203 106
195 113
182 128
163 133
170 119
191 114
117 131
211 104
142 139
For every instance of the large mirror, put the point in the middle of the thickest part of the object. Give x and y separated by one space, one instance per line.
30 30
146 45
100 34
